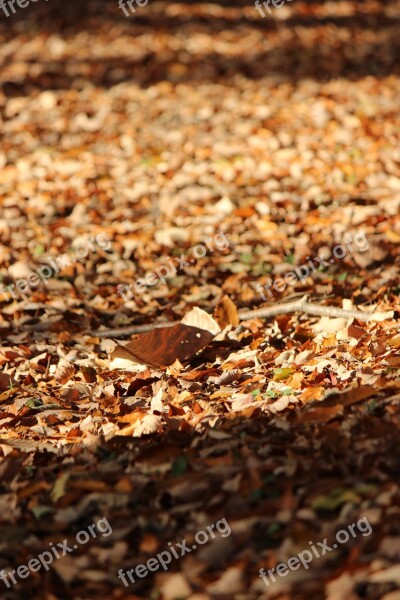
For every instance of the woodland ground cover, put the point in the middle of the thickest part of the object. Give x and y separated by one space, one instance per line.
161 130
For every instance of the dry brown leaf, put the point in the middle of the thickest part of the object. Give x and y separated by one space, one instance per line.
226 313
165 345
64 372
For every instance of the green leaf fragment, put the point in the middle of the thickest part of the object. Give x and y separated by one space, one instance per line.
282 374
179 466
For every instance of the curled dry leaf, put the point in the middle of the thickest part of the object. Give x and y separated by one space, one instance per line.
149 424
64 372
226 313
6 382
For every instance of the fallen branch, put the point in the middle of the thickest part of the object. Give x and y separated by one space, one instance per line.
301 305
131 329
317 310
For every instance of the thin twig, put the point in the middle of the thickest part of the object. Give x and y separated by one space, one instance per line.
264 313
131 329
313 309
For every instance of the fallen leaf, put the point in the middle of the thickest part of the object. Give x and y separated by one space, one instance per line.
226 313
165 345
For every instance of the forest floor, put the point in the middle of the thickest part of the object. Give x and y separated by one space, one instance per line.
252 147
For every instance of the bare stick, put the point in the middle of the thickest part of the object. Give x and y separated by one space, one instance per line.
265 313
131 329
313 309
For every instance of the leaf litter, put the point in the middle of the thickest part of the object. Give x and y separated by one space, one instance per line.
282 133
